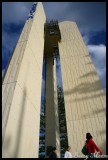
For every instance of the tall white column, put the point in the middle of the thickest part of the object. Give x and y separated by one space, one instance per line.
84 98
21 92
49 110
52 123
56 111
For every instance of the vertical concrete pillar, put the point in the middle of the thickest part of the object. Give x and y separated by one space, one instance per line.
52 123
85 101
56 111
49 123
21 91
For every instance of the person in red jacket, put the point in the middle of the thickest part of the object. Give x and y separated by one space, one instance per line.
91 146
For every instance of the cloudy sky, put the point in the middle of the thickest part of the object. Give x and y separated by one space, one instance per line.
89 16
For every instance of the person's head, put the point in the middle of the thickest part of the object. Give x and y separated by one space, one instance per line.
68 148
88 136
54 149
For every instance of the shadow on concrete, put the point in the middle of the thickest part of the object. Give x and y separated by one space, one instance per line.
87 55
21 118
94 112
49 107
88 97
103 147
89 63
93 73
100 110
6 145
7 142
103 132
86 87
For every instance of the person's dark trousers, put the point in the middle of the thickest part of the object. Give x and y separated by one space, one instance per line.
91 155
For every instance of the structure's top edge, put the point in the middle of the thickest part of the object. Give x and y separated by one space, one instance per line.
35 3
32 11
51 23
66 22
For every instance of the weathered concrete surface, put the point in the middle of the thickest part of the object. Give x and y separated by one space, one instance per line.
22 92
52 135
85 101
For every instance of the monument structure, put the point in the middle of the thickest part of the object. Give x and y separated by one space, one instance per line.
84 98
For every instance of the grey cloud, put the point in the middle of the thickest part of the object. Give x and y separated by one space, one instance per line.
8 42
99 55
102 76
99 60
15 12
87 15
3 72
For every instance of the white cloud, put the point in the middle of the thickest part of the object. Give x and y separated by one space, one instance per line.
105 90
98 55
3 70
89 17
85 39
100 49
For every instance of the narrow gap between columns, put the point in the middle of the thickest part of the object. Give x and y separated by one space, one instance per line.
42 114
61 108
